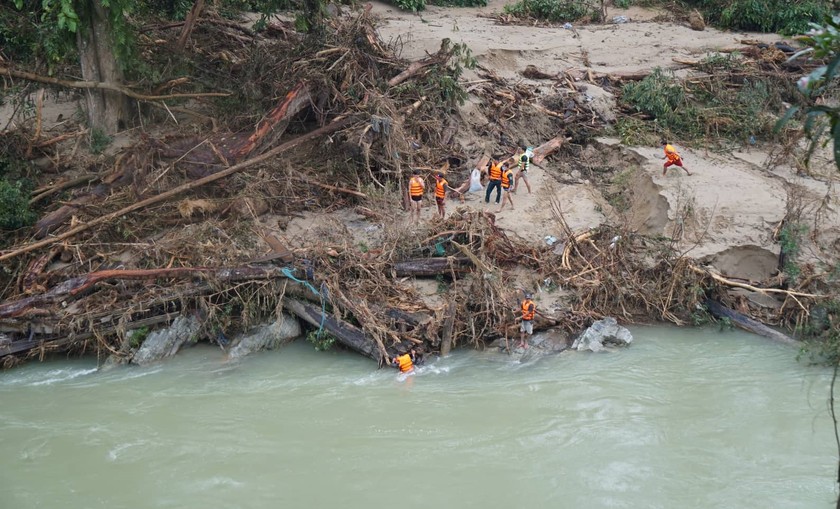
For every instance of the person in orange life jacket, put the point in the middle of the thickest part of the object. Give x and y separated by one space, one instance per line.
494 172
524 164
673 158
404 363
528 309
416 188
507 182
441 185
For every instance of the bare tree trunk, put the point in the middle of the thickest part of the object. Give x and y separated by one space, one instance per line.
107 111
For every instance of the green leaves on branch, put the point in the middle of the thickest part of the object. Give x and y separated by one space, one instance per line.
823 43
554 10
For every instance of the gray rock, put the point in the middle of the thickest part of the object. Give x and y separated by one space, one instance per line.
601 334
539 345
266 337
166 342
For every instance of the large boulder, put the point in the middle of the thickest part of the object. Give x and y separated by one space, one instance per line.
602 334
266 337
540 344
166 342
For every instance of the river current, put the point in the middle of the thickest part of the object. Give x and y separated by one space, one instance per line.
681 419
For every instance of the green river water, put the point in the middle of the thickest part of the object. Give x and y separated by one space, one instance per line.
681 419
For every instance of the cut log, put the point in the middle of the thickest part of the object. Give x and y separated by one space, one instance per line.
432 266
346 334
745 322
547 148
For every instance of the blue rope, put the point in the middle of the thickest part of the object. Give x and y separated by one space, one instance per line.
289 273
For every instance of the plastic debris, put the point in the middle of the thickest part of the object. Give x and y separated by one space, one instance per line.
550 240
620 19
567 26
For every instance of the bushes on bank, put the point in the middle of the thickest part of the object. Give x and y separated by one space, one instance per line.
553 10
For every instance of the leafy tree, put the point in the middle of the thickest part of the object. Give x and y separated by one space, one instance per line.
823 43
98 33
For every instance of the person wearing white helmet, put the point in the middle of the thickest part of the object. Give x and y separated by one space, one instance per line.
524 164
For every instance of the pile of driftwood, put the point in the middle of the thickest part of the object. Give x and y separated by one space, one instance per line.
168 226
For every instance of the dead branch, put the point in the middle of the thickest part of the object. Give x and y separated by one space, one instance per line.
98 85
337 124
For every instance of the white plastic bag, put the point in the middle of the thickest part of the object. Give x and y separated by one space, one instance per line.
475 181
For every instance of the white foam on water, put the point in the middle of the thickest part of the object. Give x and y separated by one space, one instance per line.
63 375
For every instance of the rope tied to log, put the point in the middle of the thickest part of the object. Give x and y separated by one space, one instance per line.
289 273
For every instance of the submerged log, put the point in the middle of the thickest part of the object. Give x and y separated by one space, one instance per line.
346 334
745 322
432 266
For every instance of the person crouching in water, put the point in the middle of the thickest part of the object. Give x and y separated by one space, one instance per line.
404 363
529 309
507 181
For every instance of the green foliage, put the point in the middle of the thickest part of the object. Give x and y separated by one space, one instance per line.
137 337
623 4
635 132
553 10
823 43
55 24
99 141
15 189
784 16
459 3
322 342
695 111
790 239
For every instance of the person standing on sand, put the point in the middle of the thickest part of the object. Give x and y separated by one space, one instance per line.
524 164
529 309
673 158
416 188
441 185
494 173
507 181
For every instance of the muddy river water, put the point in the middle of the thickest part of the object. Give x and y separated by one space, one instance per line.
681 419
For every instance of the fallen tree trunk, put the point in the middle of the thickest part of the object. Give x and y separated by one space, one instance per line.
745 322
334 126
432 266
346 334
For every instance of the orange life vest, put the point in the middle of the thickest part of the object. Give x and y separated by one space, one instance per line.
495 171
440 188
405 363
507 178
415 186
671 153
528 309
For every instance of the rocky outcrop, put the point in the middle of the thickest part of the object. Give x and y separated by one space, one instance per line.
540 344
601 335
266 337
166 342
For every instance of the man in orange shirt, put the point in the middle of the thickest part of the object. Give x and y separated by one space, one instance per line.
416 188
673 158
